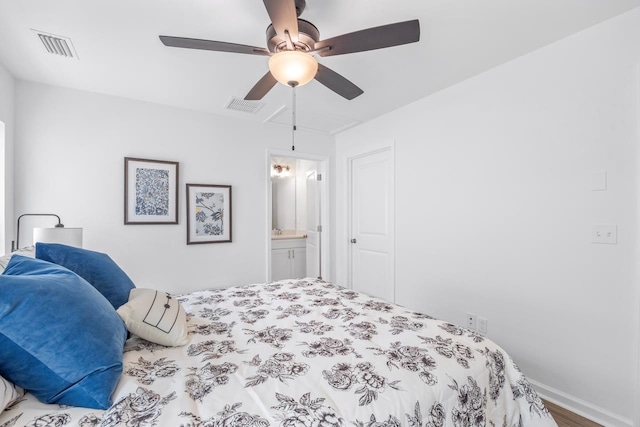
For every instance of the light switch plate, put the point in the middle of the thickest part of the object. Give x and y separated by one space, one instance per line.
604 234
598 180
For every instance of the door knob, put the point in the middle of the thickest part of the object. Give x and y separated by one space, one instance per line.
353 240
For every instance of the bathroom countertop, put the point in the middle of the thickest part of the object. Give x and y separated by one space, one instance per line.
289 234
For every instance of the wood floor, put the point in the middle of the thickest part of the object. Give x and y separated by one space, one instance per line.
565 418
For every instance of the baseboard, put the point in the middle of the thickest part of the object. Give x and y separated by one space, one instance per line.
581 407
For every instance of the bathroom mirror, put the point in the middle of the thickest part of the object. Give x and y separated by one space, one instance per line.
289 192
283 206
283 194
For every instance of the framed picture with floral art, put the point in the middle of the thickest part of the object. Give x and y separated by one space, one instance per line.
150 191
208 213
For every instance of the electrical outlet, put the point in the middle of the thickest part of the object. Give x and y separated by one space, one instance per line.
471 321
482 325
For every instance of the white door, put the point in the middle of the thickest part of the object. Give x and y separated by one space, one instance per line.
313 221
371 224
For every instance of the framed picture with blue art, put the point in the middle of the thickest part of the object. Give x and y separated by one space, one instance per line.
208 213
150 191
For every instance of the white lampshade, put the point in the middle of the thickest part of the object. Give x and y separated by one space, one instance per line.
64 235
292 66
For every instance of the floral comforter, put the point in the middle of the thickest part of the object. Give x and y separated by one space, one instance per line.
305 353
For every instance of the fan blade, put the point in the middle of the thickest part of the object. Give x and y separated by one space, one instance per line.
372 38
261 88
212 45
337 83
283 17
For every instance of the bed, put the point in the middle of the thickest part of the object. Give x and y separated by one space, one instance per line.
305 353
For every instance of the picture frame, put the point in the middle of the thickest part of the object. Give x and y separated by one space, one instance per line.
150 191
209 212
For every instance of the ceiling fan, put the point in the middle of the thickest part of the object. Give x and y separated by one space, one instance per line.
292 42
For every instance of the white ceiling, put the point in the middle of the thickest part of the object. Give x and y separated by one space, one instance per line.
120 53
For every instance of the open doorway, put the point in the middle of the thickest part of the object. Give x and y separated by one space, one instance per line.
297 242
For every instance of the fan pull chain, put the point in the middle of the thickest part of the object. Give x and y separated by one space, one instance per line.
293 117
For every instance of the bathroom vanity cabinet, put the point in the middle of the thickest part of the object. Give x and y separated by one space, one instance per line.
288 259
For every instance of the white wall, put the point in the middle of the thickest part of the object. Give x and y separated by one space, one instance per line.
69 159
494 211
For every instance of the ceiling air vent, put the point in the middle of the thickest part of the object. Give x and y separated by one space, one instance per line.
57 45
238 104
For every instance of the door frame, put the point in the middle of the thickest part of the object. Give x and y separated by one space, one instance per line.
323 168
349 213
636 411
3 169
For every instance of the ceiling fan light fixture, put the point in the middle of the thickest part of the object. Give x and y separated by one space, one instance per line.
293 68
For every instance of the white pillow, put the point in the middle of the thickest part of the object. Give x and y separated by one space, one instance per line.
9 393
155 316
26 251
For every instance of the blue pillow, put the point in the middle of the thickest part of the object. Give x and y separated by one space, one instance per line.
59 338
94 267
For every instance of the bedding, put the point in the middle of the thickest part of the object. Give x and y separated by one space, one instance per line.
307 353
59 337
9 393
28 251
96 268
155 316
